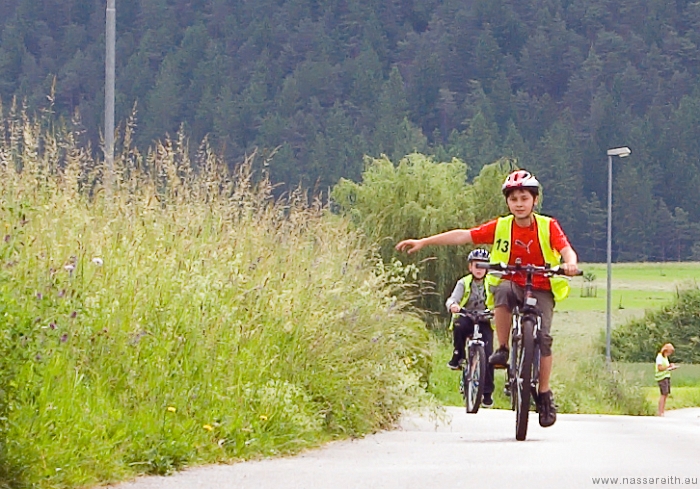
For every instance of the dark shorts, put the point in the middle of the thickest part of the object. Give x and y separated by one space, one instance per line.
508 294
665 386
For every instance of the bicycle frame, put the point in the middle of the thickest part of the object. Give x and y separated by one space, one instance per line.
474 365
531 312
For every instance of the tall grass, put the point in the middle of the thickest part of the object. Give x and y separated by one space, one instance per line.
179 317
584 383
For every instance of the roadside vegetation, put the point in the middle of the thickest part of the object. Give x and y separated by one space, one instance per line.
180 317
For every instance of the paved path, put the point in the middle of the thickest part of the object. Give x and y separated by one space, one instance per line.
478 451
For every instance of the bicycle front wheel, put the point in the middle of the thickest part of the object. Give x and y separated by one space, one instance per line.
523 371
474 375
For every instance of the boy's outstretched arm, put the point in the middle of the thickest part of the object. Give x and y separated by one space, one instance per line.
448 238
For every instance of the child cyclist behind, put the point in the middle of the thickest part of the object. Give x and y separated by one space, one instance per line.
534 240
470 293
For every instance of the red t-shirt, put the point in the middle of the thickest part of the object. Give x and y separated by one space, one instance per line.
525 244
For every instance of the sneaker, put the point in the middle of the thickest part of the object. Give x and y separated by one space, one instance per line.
487 401
454 362
454 365
547 409
499 357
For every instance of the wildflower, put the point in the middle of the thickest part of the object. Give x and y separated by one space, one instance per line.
69 268
52 325
73 314
208 427
97 261
39 295
64 338
171 409
263 417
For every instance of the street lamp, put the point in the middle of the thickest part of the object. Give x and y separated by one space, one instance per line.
621 152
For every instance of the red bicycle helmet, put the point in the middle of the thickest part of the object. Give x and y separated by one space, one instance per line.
521 179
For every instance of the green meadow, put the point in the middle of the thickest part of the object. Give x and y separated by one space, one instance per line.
581 379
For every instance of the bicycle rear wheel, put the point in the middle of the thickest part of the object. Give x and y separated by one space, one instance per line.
523 372
474 375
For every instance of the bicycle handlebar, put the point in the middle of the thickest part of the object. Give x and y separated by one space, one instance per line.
476 315
545 271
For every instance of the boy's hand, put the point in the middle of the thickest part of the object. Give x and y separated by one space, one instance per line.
410 245
570 269
454 308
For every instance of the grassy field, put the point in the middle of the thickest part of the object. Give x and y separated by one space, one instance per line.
579 328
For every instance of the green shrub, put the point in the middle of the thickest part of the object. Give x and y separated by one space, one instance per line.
420 197
640 340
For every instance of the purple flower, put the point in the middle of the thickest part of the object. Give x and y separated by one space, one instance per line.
52 325
64 338
73 314
39 295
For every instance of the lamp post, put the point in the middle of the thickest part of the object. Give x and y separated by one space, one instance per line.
621 152
110 41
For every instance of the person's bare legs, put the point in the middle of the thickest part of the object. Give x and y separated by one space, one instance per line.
662 405
502 318
545 372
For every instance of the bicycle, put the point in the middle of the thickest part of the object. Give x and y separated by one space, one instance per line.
523 369
471 382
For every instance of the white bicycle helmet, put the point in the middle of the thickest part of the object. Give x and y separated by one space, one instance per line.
479 254
521 179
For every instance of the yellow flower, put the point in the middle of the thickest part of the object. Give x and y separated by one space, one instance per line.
208 427
171 409
263 417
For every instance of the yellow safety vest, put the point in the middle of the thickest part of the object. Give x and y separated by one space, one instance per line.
500 252
467 281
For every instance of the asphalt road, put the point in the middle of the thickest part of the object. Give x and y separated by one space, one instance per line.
478 451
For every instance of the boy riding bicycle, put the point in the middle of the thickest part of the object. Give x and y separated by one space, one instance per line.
471 293
534 240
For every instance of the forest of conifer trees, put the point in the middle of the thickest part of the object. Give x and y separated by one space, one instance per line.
321 83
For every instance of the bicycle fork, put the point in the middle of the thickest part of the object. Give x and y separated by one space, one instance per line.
516 341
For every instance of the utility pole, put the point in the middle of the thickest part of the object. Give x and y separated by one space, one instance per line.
111 34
